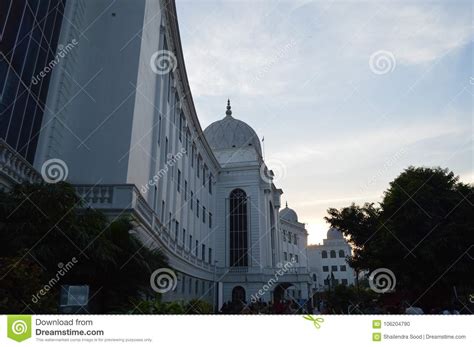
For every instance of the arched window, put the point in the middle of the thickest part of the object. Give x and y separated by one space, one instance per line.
238 228
333 254
314 277
341 254
238 294
325 254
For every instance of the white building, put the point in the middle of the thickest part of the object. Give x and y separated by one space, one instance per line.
328 264
132 142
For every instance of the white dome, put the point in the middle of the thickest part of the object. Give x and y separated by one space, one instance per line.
288 214
334 234
229 133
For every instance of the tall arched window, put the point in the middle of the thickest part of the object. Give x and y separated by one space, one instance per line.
238 228
333 254
325 254
341 254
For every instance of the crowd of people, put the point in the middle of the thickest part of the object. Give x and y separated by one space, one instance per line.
261 307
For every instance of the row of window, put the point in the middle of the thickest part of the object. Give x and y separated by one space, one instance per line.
292 256
334 268
190 285
290 237
332 253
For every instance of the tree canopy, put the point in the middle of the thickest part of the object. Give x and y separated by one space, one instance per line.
422 230
44 226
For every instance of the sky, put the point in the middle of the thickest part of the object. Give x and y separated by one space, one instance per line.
346 93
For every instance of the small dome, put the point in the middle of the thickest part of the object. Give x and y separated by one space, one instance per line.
229 133
334 234
288 214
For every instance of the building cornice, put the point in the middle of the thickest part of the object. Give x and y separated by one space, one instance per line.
172 20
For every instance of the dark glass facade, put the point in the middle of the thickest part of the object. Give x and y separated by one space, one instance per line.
29 33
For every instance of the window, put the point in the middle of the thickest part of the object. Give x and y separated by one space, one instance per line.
162 211
341 254
198 165
294 239
159 129
209 257
326 282
210 220
344 281
324 254
193 154
184 237
333 254
203 214
211 178
185 190
169 223
325 268
196 287
197 208
285 256
190 283
334 268
284 235
342 268
289 237
291 257
188 136
296 258
238 228
165 157
203 252
181 126
196 250
336 281
179 180
183 285
176 229
192 195
190 242
204 170
314 278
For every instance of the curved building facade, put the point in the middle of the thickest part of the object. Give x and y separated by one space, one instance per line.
127 129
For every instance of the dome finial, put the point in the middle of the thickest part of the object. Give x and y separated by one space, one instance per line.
229 111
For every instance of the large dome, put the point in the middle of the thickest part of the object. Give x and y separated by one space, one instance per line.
334 234
229 133
288 214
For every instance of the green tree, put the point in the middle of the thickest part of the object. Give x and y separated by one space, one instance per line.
48 225
423 231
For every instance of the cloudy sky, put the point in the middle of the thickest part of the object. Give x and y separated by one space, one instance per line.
346 93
